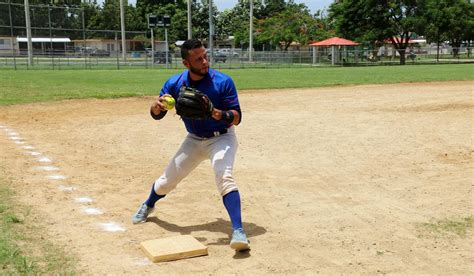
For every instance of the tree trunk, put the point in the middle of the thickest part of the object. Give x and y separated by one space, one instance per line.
469 49
437 46
401 44
456 44
437 52
402 53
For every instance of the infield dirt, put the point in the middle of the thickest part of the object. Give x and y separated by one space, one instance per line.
333 180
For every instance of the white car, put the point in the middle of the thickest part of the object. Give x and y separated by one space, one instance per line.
229 52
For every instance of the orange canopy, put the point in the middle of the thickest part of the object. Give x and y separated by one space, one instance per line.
335 41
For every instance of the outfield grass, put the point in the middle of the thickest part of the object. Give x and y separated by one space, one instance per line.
27 86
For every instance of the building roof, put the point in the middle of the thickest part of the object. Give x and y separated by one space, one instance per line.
44 39
335 41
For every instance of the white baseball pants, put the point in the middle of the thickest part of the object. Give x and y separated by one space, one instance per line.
219 150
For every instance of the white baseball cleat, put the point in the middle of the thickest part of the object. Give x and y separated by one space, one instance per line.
142 214
239 240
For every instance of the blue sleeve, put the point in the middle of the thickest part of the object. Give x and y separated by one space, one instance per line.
230 98
167 88
172 86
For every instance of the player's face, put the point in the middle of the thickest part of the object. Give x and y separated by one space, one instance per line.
197 62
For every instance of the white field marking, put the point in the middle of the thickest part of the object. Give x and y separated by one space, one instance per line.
111 227
2 126
20 142
66 188
92 211
11 133
84 199
56 177
33 153
142 262
28 147
44 160
16 138
47 168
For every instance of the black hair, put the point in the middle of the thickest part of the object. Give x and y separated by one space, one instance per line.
189 45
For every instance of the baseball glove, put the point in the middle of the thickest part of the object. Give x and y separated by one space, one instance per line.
193 104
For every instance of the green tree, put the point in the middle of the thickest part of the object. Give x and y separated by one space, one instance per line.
273 7
449 20
200 19
293 24
322 28
378 20
107 19
236 22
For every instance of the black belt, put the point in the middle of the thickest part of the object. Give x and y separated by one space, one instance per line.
212 134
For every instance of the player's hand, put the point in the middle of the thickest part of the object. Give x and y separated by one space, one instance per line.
157 106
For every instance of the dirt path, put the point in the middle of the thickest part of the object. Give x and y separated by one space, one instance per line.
333 180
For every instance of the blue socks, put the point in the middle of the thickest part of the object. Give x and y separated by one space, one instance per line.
153 198
232 204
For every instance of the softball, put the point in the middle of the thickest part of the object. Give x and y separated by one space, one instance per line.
169 102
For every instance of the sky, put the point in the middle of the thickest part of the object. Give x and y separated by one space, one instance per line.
313 5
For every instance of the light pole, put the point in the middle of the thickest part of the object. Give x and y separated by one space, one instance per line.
251 32
190 31
28 33
211 33
122 27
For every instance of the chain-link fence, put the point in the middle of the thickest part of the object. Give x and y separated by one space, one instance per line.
95 58
60 40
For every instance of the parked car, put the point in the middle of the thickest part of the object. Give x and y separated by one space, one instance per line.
100 53
229 52
217 56
160 57
148 52
84 50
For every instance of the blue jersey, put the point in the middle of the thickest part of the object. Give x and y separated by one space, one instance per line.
220 89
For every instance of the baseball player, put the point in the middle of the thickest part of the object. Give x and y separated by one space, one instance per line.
210 135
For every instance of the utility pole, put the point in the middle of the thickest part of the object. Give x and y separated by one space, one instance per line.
51 53
11 32
190 30
28 33
166 47
122 26
211 33
152 48
251 32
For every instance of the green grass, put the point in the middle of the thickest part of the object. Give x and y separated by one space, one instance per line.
28 86
20 237
459 227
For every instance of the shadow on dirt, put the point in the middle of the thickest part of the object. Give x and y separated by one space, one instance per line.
220 225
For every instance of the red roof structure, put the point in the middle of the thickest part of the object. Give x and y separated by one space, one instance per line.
335 41
410 41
